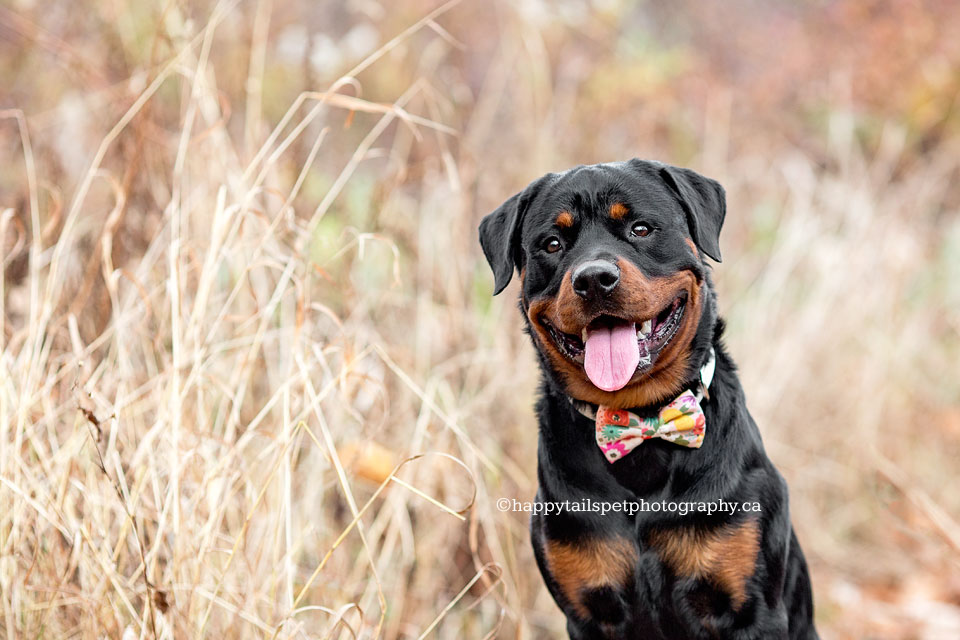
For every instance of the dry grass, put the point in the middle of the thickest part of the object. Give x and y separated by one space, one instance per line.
252 383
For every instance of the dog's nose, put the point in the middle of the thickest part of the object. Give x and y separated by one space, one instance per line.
595 279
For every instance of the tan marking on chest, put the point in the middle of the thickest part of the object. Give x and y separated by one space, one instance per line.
727 556
590 564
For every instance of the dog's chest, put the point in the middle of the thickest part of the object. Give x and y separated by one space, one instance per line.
673 578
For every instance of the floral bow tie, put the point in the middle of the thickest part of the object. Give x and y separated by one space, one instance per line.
681 422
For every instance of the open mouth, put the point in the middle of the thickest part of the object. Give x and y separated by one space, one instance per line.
611 350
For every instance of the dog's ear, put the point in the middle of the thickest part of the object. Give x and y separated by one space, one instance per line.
704 202
500 236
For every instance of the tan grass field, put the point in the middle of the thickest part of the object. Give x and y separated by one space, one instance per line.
253 383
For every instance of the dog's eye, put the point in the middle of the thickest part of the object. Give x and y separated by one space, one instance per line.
641 229
552 245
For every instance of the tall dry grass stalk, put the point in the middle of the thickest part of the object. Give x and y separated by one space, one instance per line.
290 409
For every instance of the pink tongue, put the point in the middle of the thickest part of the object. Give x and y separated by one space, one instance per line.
611 355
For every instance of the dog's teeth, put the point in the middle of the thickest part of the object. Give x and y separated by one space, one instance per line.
583 335
646 327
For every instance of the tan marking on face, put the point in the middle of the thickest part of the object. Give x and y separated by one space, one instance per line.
564 220
591 564
523 277
618 210
635 297
693 246
726 556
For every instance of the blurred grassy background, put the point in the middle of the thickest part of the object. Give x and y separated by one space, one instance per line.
228 308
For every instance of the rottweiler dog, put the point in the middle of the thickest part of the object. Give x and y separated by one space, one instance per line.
658 514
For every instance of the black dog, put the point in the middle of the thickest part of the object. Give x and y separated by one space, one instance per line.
646 445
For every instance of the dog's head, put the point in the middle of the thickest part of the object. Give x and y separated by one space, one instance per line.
613 283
